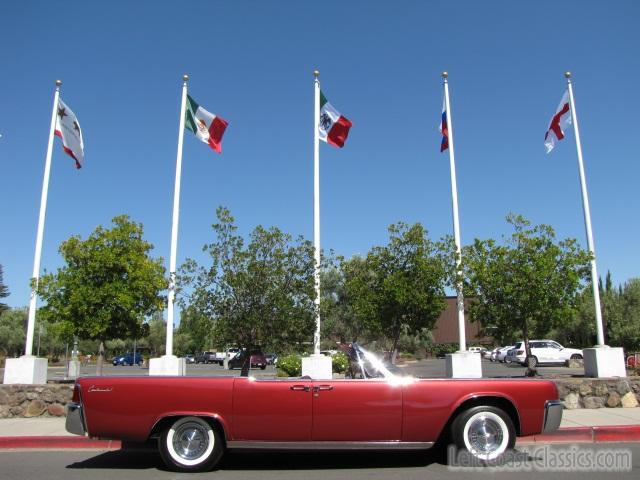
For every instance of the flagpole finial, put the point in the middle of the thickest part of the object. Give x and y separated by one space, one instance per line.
58 83
567 75
316 73
185 77
445 75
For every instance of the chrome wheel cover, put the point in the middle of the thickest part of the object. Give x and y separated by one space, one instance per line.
190 441
486 435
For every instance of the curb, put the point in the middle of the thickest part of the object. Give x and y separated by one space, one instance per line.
57 442
604 434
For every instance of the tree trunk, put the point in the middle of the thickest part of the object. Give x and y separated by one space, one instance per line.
394 350
244 372
100 359
531 370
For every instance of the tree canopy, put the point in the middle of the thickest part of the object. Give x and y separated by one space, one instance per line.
527 285
12 331
4 292
400 287
108 285
260 293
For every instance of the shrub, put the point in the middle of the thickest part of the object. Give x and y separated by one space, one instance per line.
290 366
339 363
443 348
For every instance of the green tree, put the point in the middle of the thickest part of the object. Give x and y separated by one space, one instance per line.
195 330
339 321
624 326
155 336
528 284
4 292
581 330
400 288
13 323
107 287
261 293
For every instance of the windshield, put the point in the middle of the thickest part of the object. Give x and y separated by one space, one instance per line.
366 364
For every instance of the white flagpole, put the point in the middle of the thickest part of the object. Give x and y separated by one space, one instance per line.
43 209
316 206
587 215
174 225
456 221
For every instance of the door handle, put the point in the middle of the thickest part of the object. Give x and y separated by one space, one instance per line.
299 388
318 388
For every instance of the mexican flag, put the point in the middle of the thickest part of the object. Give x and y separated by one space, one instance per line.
333 127
208 127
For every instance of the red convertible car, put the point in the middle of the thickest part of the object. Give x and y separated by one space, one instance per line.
195 419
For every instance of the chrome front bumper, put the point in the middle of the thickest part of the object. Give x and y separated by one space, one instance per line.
552 416
75 419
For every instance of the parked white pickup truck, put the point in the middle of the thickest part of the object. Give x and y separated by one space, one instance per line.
230 353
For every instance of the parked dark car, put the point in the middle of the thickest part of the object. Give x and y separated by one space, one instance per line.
206 357
127 359
256 357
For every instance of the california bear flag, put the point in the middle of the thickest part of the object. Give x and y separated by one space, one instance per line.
208 127
68 129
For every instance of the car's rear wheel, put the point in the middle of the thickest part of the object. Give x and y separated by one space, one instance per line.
191 444
485 432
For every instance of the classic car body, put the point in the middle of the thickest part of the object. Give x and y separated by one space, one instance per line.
196 418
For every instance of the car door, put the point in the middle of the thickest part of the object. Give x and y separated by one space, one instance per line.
539 350
549 354
272 410
555 352
358 410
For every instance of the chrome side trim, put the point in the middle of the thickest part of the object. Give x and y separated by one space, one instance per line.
552 415
75 420
322 445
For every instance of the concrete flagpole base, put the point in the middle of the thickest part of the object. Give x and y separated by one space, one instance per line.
604 362
25 370
317 366
464 365
74 369
167 365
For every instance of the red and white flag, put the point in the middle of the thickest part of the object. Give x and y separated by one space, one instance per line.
559 123
68 129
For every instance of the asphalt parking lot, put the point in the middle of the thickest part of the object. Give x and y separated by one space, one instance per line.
427 368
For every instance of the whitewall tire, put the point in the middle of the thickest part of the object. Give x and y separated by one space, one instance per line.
191 444
484 432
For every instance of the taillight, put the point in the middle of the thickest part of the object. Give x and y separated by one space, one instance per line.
519 352
76 394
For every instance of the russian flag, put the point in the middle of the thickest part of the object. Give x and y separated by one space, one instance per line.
444 129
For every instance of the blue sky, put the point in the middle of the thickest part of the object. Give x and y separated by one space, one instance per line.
251 62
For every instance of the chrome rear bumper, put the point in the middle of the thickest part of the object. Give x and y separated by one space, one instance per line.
552 415
75 419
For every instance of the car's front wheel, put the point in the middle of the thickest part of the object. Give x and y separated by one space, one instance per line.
191 444
576 356
484 432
